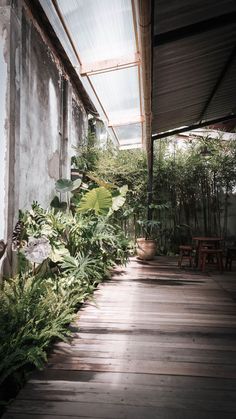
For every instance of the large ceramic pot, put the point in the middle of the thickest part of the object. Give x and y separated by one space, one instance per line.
146 248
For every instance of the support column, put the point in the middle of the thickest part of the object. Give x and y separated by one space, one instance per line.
150 179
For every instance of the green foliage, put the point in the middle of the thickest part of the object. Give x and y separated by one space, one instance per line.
98 199
86 154
149 228
57 204
197 180
62 258
83 268
64 185
32 314
125 168
192 186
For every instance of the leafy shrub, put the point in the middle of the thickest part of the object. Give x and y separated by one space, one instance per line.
62 256
32 313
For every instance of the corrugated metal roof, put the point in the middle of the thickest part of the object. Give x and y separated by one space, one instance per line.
194 62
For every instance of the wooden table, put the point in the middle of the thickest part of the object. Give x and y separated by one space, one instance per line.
205 241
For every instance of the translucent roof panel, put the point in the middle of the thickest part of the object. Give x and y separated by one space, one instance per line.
103 36
100 29
119 93
48 7
129 133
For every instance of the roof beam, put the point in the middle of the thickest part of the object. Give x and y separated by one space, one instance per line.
130 141
130 146
136 120
192 127
110 65
194 29
145 27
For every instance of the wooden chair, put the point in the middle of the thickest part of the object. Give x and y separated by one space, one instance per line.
211 256
230 256
185 252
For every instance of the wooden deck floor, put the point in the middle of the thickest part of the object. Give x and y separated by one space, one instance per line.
156 343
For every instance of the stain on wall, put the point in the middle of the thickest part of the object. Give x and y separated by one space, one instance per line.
40 118
78 126
44 142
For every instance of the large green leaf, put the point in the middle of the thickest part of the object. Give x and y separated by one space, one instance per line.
64 185
76 184
59 254
123 190
119 198
117 202
98 199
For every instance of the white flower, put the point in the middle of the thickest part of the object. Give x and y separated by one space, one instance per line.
37 250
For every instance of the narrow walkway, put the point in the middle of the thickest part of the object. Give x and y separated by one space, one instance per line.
156 343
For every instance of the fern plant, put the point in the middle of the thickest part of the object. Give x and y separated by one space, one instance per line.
32 314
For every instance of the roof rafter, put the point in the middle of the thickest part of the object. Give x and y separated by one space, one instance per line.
218 81
131 121
110 65
192 127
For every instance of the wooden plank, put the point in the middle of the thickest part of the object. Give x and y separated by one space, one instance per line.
151 318
204 309
112 411
155 318
137 399
183 327
179 381
129 394
223 357
121 337
148 367
135 346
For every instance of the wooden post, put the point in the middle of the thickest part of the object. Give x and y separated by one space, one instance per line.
150 180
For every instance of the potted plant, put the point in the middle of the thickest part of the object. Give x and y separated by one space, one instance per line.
147 245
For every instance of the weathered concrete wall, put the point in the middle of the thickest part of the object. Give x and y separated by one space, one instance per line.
46 108
78 130
4 65
38 121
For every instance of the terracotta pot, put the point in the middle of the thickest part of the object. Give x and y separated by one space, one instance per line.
146 248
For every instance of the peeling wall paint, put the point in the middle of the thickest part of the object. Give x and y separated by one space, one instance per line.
43 150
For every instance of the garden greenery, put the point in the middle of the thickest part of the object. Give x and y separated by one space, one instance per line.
193 191
63 253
